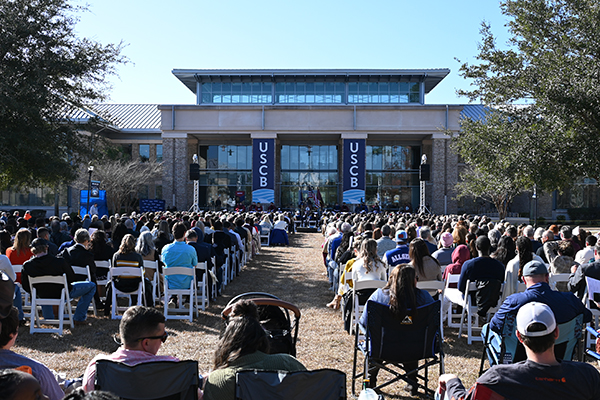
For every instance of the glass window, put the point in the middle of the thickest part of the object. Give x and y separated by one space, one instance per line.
159 153
144 152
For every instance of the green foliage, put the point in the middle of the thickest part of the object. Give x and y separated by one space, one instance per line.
46 72
552 63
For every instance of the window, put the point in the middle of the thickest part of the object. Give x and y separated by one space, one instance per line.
158 192
144 152
384 92
159 153
236 92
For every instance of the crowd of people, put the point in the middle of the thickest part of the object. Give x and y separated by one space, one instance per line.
397 248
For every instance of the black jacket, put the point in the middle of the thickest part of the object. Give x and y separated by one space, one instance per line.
47 265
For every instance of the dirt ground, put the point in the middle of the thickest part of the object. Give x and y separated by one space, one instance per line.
294 274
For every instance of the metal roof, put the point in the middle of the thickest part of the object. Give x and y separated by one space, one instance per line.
475 112
431 77
121 117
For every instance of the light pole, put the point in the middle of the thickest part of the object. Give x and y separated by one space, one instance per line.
90 171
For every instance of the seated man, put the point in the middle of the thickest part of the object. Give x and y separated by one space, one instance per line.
541 376
564 305
142 332
178 254
42 264
10 359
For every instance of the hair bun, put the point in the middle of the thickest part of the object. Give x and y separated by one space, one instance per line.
245 308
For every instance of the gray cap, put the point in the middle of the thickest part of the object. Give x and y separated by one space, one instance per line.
534 268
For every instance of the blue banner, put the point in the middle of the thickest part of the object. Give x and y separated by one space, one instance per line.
99 200
353 171
151 205
263 170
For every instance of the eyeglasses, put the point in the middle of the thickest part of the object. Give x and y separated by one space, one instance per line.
163 338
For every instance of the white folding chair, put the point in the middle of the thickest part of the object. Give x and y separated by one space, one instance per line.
153 265
470 312
192 307
559 278
202 286
454 297
215 278
125 273
592 287
521 287
358 308
440 287
264 237
234 263
25 297
225 269
101 283
63 302
85 271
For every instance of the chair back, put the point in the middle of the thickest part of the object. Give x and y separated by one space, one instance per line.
558 281
128 272
401 340
157 380
322 384
82 272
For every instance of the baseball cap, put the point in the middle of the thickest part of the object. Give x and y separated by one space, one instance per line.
401 236
534 268
532 313
447 239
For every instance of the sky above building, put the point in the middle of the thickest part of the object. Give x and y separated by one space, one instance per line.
267 34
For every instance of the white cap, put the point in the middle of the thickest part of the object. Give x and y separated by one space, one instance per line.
535 312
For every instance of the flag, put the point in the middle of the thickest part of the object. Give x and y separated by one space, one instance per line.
319 199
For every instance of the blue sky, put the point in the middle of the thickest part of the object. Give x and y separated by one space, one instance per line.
268 34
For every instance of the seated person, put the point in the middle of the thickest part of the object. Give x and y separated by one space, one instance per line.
403 297
142 331
541 376
42 264
244 345
19 385
10 359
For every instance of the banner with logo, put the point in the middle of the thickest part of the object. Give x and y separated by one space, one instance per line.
263 170
353 171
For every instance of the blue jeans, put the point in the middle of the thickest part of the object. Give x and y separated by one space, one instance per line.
18 302
86 291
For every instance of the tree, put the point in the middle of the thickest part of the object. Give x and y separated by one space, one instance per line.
553 65
47 71
122 179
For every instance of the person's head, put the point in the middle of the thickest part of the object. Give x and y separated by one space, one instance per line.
243 335
143 328
145 243
386 230
535 272
401 236
459 235
425 233
536 327
528 232
127 244
402 285
82 236
43 233
565 248
128 223
19 385
22 240
191 236
447 239
547 236
591 240
179 230
9 329
482 244
566 232
93 395
39 247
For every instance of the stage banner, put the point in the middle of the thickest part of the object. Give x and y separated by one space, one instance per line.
263 170
354 183
151 205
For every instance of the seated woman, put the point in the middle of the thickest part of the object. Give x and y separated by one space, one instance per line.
102 251
369 266
427 267
403 297
244 345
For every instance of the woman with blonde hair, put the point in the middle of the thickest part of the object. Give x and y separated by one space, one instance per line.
369 266
20 251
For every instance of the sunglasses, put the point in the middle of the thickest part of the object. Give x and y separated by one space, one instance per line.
163 338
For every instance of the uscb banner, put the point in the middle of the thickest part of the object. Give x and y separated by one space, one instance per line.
263 170
354 171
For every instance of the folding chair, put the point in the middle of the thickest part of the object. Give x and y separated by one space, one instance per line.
234 263
124 273
101 283
506 349
202 287
361 290
213 273
87 275
62 302
321 384
391 342
26 298
225 276
156 380
559 282
469 313
439 286
190 291
153 265
592 286
455 297
265 234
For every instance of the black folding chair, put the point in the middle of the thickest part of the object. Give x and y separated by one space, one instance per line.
157 380
390 343
322 384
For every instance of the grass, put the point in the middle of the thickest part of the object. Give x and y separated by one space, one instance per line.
292 273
